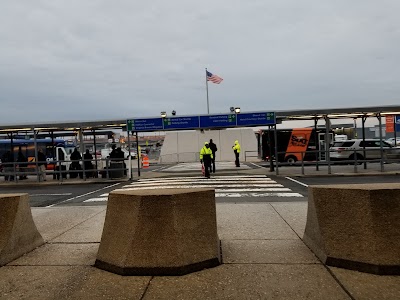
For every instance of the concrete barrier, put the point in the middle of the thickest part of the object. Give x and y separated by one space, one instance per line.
355 226
159 232
18 233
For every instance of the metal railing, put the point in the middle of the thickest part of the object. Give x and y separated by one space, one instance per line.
356 161
250 154
181 157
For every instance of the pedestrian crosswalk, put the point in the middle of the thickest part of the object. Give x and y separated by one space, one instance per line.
219 166
225 186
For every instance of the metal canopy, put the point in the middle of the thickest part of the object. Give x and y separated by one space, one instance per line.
304 114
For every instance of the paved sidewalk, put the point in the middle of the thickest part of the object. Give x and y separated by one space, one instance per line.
262 249
263 258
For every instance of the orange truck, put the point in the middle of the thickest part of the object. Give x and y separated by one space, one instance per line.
294 145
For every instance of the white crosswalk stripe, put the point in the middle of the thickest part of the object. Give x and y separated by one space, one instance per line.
225 186
196 166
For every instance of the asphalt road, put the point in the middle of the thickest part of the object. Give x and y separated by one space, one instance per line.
65 195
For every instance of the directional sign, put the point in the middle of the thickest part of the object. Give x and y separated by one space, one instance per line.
256 119
146 124
397 123
181 123
207 121
129 124
218 121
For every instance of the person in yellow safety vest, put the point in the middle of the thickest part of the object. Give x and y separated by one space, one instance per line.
236 149
206 157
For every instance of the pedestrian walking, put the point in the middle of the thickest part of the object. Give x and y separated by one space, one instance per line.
236 150
214 149
42 162
206 157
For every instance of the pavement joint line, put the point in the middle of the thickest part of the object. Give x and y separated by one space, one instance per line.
66 265
259 239
79 196
47 242
325 266
71 243
146 288
272 263
338 281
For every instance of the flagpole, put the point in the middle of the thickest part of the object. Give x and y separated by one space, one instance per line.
208 107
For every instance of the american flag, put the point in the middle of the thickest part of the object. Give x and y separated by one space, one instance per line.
213 78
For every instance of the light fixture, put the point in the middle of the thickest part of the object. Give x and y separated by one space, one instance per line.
173 112
163 114
237 110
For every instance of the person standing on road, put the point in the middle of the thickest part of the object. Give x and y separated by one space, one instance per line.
88 163
236 149
75 164
214 149
206 157
42 162
22 160
8 168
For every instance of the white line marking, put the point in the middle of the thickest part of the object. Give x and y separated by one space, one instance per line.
208 182
202 177
104 195
83 195
294 180
281 188
228 195
158 169
64 194
254 164
225 195
253 187
200 181
101 199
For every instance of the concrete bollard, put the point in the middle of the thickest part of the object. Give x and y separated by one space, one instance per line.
159 232
355 226
18 232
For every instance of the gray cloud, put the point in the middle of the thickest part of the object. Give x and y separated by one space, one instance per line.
87 60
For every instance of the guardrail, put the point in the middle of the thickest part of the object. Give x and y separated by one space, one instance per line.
106 168
181 157
387 158
250 154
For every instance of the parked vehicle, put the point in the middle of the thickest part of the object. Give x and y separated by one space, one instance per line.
54 149
393 141
354 149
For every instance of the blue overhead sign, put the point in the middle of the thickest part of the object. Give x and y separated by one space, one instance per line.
147 124
181 123
256 119
218 121
397 123
207 121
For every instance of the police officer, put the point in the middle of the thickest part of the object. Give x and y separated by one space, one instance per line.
206 156
236 149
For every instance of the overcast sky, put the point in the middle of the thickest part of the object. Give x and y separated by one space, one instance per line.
98 59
